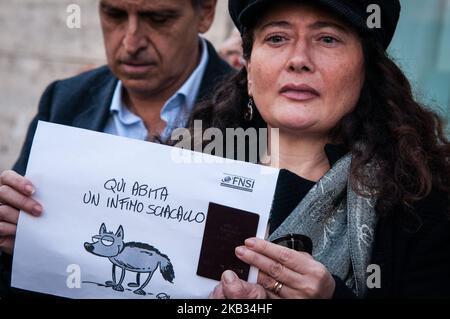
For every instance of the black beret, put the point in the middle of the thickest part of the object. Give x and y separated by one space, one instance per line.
355 12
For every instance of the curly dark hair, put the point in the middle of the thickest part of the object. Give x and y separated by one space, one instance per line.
406 138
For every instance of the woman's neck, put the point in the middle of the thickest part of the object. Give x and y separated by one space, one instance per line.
303 155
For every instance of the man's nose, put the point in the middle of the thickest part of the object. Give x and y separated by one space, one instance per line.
135 39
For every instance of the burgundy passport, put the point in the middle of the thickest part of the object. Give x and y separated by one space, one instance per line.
226 228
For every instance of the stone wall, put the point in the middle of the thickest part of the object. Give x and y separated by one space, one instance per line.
37 47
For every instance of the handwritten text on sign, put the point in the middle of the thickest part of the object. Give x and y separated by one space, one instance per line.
142 199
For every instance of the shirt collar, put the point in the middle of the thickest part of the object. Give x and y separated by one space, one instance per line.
118 107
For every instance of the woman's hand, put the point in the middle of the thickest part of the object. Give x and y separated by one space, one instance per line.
231 287
286 273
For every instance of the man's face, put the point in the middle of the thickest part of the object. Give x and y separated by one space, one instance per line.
152 45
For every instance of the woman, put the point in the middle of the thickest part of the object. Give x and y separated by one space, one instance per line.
365 168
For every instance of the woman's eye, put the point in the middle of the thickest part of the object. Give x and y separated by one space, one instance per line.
107 242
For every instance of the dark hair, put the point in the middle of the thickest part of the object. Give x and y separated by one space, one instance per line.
406 139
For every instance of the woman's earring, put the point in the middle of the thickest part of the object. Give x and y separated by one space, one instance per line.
248 115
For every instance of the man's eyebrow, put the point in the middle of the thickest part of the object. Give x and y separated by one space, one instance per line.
163 12
328 24
170 12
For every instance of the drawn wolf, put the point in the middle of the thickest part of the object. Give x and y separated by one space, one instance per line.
135 257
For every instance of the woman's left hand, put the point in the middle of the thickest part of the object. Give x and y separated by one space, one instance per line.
284 273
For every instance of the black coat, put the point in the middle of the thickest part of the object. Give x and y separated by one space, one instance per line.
414 255
84 101
412 251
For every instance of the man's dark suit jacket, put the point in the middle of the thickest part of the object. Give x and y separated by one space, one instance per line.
84 101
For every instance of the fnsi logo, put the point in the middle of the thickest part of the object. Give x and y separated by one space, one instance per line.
238 182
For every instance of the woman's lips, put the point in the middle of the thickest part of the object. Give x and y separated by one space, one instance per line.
299 95
299 92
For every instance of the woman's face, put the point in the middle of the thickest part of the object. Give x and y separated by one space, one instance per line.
306 69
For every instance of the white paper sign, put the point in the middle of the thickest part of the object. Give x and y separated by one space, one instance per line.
117 203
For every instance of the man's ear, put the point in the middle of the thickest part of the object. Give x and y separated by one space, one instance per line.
119 232
207 11
102 229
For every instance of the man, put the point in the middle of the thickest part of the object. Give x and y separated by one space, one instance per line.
158 67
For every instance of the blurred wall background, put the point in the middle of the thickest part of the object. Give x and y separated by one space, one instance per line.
36 48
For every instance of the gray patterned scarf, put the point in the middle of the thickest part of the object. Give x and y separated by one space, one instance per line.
340 223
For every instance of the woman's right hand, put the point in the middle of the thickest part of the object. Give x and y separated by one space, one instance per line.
15 195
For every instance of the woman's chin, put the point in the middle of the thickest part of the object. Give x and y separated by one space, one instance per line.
295 126
292 121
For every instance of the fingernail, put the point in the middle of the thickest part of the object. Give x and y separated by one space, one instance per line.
251 242
30 189
229 276
240 251
37 210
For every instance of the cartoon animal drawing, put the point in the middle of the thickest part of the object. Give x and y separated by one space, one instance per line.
132 256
